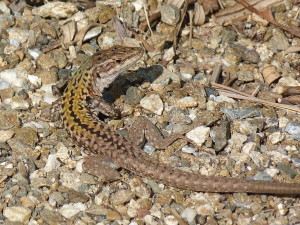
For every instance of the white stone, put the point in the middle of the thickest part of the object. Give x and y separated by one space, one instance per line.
34 125
63 152
155 210
244 127
3 84
149 148
5 135
272 171
70 180
52 163
153 103
282 122
170 220
55 10
138 5
149 220
4 8
48 96
15 77
187 102
17 214
275 137
199 135
14 44
189 214
205 210
35 98
236 142
282 209
19 103
189 150
33 222
21 35
257 158
7 101
133 223
222 98
79 166
35 53
249 147
81 20
288 81
211 105
169 54
92 33
133 208
277 157
35 80
186 76
71 209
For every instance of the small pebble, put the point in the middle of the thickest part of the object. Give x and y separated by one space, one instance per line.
189 214
5 135
199 135
17 214
69 210
153 103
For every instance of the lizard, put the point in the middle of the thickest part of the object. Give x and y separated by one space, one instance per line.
87 130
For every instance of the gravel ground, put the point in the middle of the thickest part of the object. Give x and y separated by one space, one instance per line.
41 175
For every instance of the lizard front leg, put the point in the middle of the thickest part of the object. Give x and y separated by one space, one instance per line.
98 105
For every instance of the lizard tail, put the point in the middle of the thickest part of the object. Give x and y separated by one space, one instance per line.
196 182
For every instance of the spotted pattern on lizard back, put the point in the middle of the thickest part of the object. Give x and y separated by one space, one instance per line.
97 73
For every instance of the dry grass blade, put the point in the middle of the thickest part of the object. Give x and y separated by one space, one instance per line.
199 17
178 217
183 12
239 12
177 3
232 93
51 47
267 15
292 49
121 28
69 30
147 46
147 18
125 32
152 18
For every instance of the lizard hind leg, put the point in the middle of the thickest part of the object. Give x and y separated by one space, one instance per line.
143 129
101 166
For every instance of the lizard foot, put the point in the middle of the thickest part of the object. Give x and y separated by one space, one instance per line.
101 166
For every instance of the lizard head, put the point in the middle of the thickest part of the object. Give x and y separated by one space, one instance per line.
108 64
